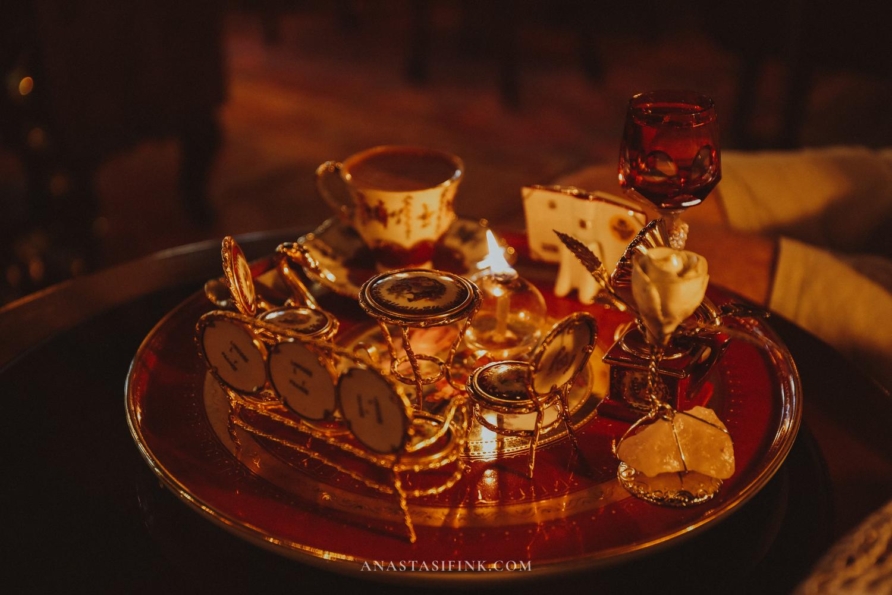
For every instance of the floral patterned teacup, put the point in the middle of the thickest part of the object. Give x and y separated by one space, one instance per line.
398 198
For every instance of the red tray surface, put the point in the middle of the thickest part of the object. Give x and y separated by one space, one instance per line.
572 515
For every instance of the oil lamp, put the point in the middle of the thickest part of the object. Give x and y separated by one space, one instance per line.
512 312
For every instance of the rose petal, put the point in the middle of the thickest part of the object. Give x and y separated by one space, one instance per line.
668 285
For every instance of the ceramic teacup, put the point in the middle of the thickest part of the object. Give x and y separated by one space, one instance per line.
398 198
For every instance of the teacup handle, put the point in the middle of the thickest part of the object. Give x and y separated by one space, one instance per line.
324 174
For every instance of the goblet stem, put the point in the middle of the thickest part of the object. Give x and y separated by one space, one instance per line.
676 229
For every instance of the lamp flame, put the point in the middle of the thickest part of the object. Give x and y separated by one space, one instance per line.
495 259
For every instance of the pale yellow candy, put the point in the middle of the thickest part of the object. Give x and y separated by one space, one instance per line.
652 451
656 449
707 449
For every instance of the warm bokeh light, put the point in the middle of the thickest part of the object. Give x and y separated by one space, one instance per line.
36 138
26 85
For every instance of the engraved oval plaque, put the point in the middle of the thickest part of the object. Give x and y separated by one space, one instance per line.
233 354
302 380
238 277
564 352
418 295
501 391
306 321
377 414
503 384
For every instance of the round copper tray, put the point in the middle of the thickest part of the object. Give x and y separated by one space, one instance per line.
572 516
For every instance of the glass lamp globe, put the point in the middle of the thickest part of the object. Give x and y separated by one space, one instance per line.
512 311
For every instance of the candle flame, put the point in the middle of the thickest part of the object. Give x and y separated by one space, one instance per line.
495 259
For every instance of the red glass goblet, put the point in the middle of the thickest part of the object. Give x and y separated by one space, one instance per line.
670 154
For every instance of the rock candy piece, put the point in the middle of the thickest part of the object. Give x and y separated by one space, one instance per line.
653 450
707 449
659 446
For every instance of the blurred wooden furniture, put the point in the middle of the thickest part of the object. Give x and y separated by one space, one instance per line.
494 27
101 77
87 80
806 37
117 73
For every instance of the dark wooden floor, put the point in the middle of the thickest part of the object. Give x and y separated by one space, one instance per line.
328 89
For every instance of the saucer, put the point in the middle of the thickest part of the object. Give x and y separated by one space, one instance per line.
345 262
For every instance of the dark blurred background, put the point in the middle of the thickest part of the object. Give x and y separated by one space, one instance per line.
130 126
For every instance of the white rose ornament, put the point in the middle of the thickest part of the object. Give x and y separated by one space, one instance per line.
668 286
